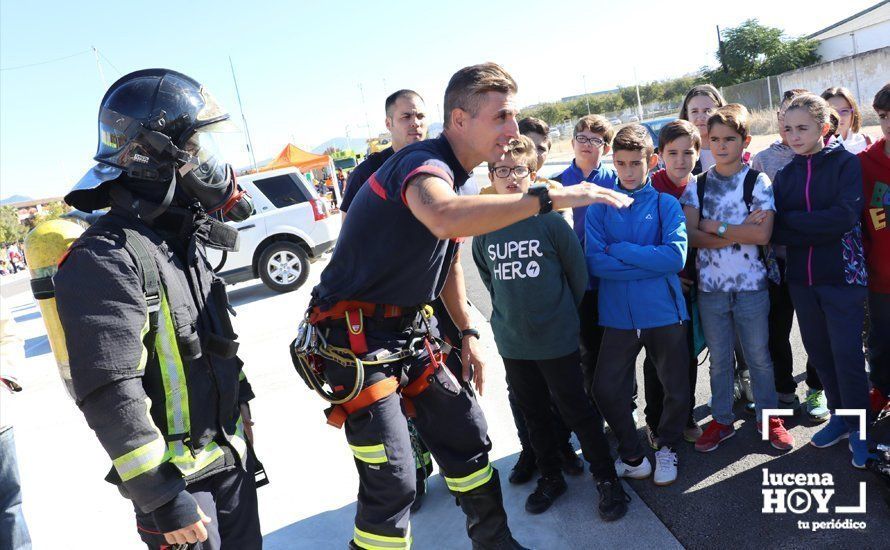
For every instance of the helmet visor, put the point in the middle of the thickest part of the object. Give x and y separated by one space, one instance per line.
213 146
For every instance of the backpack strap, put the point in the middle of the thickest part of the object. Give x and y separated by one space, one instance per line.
700 181
151 281
748 187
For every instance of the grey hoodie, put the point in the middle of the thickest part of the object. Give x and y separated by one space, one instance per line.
772 159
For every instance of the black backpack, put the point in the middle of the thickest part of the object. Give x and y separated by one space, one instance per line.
764 252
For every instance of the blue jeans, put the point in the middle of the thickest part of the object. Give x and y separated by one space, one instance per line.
13 530
725 315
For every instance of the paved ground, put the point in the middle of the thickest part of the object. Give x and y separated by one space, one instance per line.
310 502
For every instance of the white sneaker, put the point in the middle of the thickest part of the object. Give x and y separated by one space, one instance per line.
642 471
665 466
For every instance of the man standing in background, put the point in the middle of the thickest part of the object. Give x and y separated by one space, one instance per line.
406 121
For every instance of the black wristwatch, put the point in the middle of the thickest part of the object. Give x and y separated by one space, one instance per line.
543 194
469 332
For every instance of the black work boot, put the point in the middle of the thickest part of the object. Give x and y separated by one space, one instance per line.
550 488
486 517
569 461
613 499
524 468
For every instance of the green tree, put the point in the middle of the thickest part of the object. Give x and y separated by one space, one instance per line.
553 113
11 229
52 211
752 51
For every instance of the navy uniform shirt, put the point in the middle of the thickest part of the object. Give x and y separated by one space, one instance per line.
384 254
360 175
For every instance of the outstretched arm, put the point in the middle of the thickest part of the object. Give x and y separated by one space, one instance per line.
447 215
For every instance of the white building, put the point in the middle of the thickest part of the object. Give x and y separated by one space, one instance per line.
865 31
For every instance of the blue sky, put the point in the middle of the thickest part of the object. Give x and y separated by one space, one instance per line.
300 64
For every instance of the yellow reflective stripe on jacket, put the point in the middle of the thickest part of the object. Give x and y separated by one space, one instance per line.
143 359
142 459
372 454
239 440
241 376
470 482
173 377
370 541
188 464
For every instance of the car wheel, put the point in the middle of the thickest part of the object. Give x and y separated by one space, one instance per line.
283 266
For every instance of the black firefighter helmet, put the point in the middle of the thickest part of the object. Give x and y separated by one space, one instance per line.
157 126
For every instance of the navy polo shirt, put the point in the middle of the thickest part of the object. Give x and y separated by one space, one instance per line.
360 175
384 254
602 176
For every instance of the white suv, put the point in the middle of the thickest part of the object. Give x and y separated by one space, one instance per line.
292 226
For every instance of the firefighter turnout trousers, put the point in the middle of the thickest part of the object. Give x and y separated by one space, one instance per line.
454 429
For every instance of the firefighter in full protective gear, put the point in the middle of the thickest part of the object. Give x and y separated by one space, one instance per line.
150 343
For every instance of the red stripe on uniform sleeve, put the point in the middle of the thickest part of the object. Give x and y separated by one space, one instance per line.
376 187
424 169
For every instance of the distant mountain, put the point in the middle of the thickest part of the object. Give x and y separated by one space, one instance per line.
356 144
15 198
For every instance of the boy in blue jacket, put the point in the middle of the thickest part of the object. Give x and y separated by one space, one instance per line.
637 255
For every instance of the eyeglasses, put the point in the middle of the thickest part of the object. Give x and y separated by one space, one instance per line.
845 112
584 140
505 171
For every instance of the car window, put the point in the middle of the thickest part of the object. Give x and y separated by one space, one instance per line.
281 190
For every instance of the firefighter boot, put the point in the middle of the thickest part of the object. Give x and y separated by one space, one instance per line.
486 517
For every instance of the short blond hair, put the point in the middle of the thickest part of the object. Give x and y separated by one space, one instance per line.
522 151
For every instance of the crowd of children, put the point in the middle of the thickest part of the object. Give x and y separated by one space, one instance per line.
718 250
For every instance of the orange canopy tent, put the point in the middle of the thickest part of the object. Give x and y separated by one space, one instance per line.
292 155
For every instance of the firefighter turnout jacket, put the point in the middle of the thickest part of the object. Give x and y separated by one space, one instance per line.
156 377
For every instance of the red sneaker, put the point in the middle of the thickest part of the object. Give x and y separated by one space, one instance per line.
713 435
779 437
878 401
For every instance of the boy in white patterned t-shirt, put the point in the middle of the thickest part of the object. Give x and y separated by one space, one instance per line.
733 292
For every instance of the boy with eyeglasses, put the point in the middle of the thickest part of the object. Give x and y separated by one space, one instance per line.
591 141
536 275
538 132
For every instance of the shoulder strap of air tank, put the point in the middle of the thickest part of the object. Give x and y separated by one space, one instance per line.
151 280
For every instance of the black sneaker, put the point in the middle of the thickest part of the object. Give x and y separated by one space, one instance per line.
549 489
571 464
524 468
613 499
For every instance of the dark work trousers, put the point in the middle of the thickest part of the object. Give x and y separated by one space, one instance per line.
616 370
538 383
831 318
781 319
561 431
652 385
591 338
229 500
879 340
453 427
